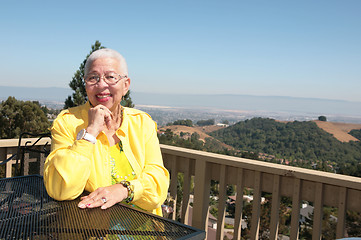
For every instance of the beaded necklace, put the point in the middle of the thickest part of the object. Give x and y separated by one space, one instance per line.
121 170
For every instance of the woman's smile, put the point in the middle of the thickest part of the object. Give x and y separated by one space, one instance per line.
103 97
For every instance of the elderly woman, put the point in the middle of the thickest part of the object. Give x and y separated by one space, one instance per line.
106 149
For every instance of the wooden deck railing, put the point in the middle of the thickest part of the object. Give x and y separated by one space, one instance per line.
8 147
320 188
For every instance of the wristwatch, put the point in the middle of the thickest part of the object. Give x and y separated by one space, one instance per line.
83 134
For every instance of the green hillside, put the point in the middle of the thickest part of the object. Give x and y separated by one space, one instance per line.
300 143
356 133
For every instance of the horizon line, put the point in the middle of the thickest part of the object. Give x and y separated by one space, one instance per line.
200 94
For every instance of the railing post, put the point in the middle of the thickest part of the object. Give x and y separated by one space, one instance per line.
173 183
256 206
221 202
239 205
42 163
275 208
9 165
201 195
24 169
318 212
186 192
341 213
295 217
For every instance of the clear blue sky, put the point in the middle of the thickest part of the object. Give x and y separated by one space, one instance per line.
278 48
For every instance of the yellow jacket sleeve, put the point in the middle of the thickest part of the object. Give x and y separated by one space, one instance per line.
67 167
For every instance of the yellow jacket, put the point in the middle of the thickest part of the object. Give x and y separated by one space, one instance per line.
77 165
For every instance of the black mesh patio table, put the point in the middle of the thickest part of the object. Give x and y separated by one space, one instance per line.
27 212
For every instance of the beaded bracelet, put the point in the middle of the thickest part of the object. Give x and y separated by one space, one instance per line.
130 189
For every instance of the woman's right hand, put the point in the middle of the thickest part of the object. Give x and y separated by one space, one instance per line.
104 197
100 118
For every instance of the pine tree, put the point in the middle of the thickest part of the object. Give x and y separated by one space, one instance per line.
79 96
77 84
127 100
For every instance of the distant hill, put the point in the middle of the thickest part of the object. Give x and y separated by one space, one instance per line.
302 144
188 131
289 105
285 108
35 93
339 130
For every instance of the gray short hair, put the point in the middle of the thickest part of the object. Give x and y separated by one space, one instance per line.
106 53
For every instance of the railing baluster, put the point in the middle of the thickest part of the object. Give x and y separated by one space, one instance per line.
186 190
42 162
341 212
9 165
173 183
295 218
201 195
221 203
275 207
318 212
239 205
26 162
256 207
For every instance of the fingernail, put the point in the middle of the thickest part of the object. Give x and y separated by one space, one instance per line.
81 205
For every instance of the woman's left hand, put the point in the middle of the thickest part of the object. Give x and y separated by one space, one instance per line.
104 197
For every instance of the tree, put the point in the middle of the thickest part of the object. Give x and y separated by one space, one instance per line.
77 84
127 101
185 122
356 133
322 118
19 116
206 122
79 96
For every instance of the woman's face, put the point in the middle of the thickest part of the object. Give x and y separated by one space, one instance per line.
101 92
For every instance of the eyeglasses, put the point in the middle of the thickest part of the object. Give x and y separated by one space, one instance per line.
110 78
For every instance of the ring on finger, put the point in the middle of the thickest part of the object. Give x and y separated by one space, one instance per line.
104 199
